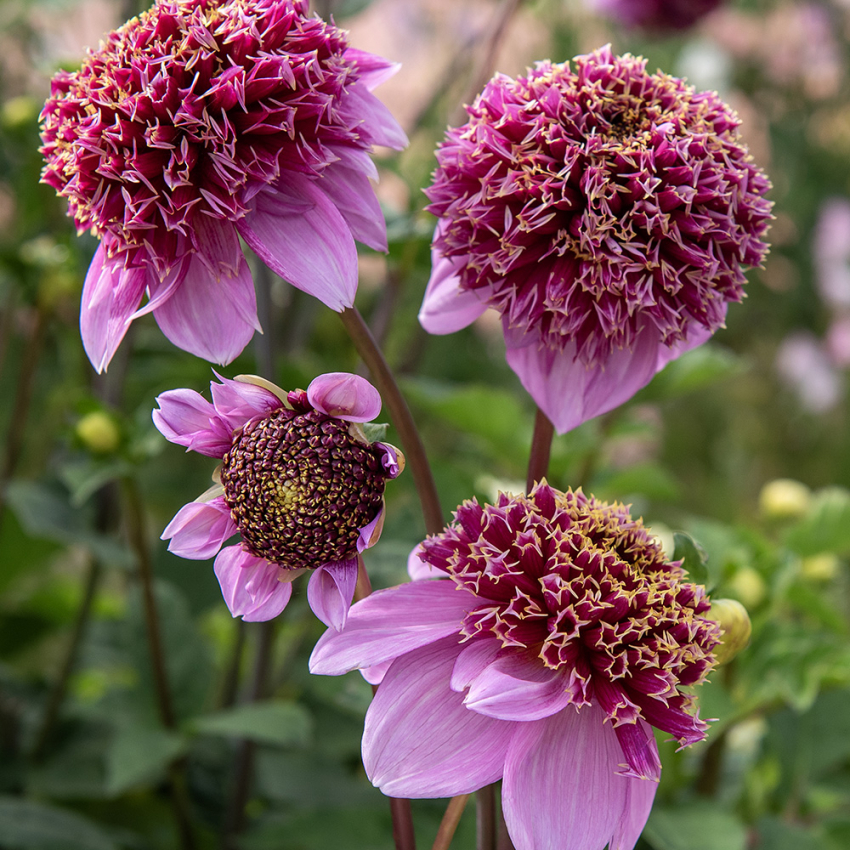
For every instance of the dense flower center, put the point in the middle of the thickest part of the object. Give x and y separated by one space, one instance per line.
584 205
300 487
585 589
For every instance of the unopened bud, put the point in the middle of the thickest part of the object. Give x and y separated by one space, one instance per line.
821 567
98 432
748 586
735 628
784 498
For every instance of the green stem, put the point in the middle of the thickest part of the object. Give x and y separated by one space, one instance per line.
449 823
411 442
541 447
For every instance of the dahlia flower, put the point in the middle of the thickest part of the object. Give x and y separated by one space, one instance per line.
655 14
299 482
606 213
556 638
201 121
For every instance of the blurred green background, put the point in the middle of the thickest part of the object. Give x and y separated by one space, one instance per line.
88 484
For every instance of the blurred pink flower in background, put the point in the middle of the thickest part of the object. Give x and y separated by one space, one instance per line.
202 121
557 635
655 14
606 213
299 482
804 365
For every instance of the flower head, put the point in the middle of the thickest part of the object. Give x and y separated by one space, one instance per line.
606 213
656 14
299 482
201 121
557 636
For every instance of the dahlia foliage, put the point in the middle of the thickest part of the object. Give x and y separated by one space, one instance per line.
201 121
299 482
655 14
555 637
606 213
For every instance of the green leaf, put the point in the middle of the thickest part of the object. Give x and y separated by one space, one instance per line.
139 756
26 825
780 835
692 555
375 431
698 826
826 525
694 370
646 479
270 722
85 476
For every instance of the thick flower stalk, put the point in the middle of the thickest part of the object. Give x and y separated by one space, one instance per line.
555 636
299 482
606 213
655 14
201 121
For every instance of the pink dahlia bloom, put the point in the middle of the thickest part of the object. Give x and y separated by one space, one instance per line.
606 213
655 14
557 636
201 121
299 482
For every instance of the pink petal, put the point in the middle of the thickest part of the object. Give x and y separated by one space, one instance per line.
110 295
447 308
217 244
390 459
211 317
420 741
640 750
298 232
516 687
374 675
330 591
238 401
373 70
391 622
472 661
188 419
695 336
569 392
561 787
200 529
417 569
371 534
376 122
344 396
250 585
349 188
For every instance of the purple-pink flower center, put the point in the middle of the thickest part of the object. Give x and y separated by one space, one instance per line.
578 586
301 488
583 204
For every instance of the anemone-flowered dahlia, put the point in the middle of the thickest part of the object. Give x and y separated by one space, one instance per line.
556 637
606 213
299 482
201 121
656 14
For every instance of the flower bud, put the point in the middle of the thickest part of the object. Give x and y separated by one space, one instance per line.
735 628
98 432
784 498
821 567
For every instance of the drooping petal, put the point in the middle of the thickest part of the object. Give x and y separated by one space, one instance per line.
472 661
392 459
211 317
561 788
330 591
391 622
447 308
640 750
238 401
298 232
569 392
250 585
374 70
344 396
110 295
374 675
188 419
516 687
420 741
375 121
696 335
418 569
371 533
199 529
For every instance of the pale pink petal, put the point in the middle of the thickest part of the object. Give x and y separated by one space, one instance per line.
250 585
472 661
238 401
695 336
330 591
561 787
373 70
188 419
200 529
298 232
217 244
389 459
373 120
211 318
370 534
420 741
161 289
569 392
639 749
446 307
518 687
344 396
417 569
349 188
374 675
110 295
391 622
